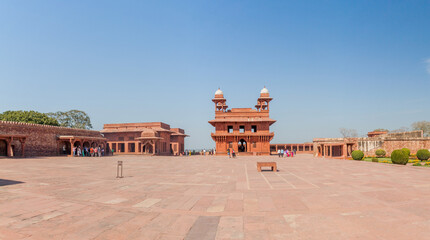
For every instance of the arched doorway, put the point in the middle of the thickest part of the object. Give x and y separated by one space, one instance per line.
147 149
242 146
3 148
65 148
86 145
77 144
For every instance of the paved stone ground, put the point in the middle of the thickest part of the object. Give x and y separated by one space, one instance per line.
212 198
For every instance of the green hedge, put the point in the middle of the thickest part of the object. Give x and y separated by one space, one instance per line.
423 154
380 153
407 151
357 155
399 156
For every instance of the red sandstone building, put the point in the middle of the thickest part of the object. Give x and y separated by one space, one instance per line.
26 139
244 130
342 147
154 138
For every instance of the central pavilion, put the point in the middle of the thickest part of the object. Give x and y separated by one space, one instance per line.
244 130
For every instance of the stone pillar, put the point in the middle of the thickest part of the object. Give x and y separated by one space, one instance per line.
22 148
9 147
71 148
344 151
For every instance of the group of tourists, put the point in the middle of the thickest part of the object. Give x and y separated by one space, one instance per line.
88 152
286 153
231 154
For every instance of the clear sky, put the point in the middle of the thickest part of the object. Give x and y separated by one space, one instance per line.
327 64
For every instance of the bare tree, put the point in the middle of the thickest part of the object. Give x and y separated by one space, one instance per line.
402 129
422 125
348 133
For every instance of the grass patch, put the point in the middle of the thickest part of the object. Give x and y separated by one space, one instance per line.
369 159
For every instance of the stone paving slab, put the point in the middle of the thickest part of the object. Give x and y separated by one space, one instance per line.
211 197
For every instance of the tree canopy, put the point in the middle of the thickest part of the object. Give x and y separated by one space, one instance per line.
28 117
348 133
422 125
73 119
381 130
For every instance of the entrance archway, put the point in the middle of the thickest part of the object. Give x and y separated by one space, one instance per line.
3 148
147 149
242 147
65 148
86 145
77 144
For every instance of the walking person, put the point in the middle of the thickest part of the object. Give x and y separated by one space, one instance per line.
279 152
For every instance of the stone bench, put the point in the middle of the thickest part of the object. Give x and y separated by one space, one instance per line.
267 164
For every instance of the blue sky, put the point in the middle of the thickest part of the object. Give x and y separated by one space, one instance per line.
327 64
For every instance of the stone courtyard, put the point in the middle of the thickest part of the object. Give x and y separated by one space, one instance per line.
211 197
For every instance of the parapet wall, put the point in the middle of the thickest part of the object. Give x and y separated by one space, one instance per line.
41 139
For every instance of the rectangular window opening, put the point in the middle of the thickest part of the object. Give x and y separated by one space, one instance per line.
230 129
253 128
241 129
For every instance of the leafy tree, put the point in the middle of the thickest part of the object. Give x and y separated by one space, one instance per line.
422 125
29 117
348 133
73 119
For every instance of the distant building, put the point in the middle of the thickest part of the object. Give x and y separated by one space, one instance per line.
244 130
153 138
298 147
342 147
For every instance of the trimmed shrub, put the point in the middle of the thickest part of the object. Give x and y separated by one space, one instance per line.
417 164
407 151
357 155
375 160
380 152
399 157
423 154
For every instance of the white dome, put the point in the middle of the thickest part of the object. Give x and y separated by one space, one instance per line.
264 90
218 92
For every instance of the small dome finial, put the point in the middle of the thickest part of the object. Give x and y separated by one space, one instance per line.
264 90
219 92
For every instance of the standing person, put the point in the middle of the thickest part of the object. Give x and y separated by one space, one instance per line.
288 153
295 151
282 152
228 153
292 153
79 151
112 151
285 153
103 151
234 154
92 152
96 152
279 152
64 149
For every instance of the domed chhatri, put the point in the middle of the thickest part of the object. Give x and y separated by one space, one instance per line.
264 90
264 93
219 92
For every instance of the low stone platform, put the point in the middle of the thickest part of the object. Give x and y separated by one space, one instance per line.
212 198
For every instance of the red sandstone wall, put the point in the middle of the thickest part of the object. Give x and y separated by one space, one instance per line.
413 145
41 139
